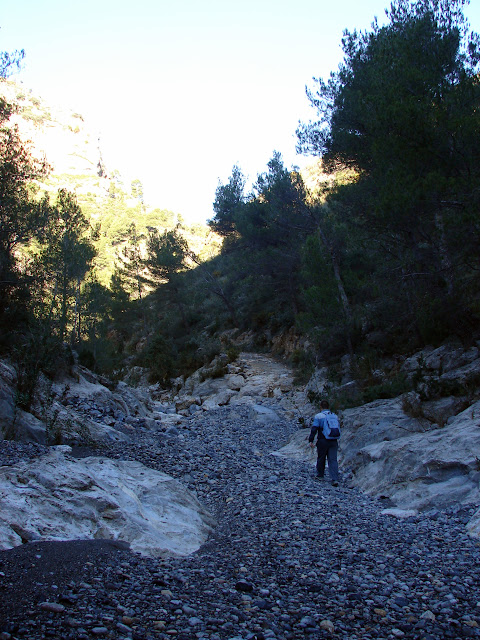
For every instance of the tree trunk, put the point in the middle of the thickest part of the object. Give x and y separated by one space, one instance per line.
444 253
347 310
63 321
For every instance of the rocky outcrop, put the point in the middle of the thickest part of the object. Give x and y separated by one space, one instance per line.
250 380
422 470
79 409
71 147
420 450
14 422
59 498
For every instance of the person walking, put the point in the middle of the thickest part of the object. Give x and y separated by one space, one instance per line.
327 429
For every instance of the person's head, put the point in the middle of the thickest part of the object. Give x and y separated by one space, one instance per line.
324 404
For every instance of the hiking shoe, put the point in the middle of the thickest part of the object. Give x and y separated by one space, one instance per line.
335 483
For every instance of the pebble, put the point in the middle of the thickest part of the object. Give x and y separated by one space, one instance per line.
52 606
289 558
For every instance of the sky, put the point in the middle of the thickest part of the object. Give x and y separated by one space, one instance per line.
182 90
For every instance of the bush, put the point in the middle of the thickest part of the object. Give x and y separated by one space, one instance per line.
388 389
38 352
161 358
233 353
303 365
86 358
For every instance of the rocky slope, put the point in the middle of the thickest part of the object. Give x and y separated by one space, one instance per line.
71 147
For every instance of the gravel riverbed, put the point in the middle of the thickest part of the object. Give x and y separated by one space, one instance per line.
290 557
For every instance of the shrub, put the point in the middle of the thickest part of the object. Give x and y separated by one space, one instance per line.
160 357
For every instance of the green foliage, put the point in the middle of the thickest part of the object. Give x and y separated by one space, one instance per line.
65 258
137 190
35 352
160 356
390 388
22 218
402 112
382 250
166 254
218 370
233 353
303 364
228 200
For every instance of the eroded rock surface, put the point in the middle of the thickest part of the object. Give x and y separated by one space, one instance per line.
56 497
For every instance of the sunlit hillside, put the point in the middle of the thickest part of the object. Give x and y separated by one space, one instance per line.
73 151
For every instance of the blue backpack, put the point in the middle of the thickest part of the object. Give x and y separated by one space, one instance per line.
331 429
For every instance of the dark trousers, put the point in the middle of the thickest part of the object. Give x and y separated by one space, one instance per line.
327 450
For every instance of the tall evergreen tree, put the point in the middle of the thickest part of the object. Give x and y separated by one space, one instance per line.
22 217
229 198
401 111
66 258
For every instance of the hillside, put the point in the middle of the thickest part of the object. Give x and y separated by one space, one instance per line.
73 151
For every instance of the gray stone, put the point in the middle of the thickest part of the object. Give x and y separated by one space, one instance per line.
56 498
263 415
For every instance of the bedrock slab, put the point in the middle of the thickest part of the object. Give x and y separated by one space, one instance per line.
57 497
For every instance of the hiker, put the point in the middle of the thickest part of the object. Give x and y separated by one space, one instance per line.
326 427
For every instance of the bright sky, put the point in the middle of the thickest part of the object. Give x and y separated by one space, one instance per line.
180 91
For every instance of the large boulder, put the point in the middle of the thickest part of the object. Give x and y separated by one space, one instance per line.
219 399
59 498
376 422
473 527
431 469
449 368
27 428
235 381
417 464
441 360
66 425
263 415
16 424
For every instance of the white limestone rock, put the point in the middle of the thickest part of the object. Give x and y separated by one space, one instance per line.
58 498
473 527
170 419
75 428
251 377
8 378
400 514
186 402
27 428
235 381
442 359
14 422
423 470
376 422
390 455
219 399
263 415
438 411
298 448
